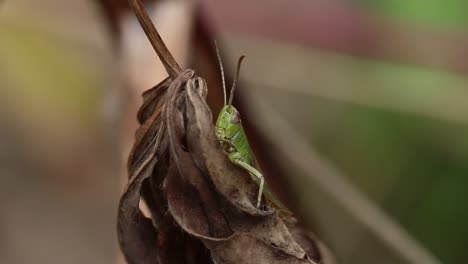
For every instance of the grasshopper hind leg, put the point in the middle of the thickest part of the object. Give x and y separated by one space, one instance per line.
260 191
240 162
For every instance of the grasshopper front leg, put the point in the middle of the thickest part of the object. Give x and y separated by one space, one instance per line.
237 159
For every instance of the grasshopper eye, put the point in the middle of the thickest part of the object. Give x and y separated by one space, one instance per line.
235 118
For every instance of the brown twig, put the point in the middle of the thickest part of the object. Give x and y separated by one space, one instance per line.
171 65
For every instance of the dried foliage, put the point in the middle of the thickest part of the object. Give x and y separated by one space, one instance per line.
202 206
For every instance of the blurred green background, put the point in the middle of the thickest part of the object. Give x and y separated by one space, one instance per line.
415 167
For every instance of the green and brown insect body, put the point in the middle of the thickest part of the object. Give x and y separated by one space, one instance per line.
230 133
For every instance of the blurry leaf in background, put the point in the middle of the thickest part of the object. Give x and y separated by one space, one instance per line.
434 12
58 158
398 132
428 195
52 85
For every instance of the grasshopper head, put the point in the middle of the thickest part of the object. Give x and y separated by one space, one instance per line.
228 123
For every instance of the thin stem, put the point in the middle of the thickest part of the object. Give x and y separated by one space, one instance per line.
172 68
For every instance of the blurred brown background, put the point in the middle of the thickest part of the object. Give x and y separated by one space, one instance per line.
376 89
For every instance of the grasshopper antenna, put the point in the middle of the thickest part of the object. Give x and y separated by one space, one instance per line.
222 71
239 62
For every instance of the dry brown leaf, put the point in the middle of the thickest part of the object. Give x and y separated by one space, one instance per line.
202 205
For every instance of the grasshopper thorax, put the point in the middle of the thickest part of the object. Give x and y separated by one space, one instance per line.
228 123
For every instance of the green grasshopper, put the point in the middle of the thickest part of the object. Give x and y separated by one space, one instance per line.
230 133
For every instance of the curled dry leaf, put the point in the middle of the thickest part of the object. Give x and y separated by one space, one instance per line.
202 206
